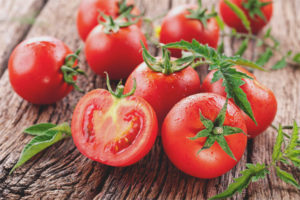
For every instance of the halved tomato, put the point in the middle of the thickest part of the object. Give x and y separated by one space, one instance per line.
116 131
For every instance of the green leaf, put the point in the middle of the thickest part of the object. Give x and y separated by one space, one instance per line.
244 62
251 174
293 141
280 64
223 144
39 129
243 47
202 133
206 122
268 33
265 57
208 143
240 13
41 142
277 146
296 58
220 22
220 49
228 130
219 121
259 42
287 177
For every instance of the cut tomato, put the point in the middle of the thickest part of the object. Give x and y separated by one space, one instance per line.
113 131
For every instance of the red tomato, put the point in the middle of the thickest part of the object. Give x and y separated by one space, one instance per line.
163 91
117 53
87 17
176 26
113 131
35 70
262 101
183 122
233 21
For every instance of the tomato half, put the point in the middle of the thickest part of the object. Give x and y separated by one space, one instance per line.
116 53
183 122
262 100
113 131
35 70
88 13
162 91
256 23
176 26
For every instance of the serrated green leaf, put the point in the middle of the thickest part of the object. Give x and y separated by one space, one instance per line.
216 76
240 14
265 57
280 64
293 141
223 144
296 58
277 146
39 129
243 47
287 177
243 62
41 142
251 174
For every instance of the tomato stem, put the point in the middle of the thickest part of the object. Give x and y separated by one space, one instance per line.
118 93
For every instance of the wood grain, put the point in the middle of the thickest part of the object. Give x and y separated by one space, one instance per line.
61 172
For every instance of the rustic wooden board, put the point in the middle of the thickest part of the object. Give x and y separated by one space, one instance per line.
61 172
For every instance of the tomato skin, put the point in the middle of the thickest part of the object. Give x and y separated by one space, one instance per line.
163 91
34 70
262 100
233 21
116 53
88 12
116 109
183 121
176 27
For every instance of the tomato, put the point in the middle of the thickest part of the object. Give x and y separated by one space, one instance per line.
262 101
112 130
161 90
118 53
88 13
183 122
257 23
176 26
35 70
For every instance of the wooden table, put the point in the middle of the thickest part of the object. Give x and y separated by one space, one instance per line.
61 172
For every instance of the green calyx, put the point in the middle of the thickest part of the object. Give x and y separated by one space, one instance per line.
254 8
215 132
165 65
200 14
125 10
69 70
118 93
113 25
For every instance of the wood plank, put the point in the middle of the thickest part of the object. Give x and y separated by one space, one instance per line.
16 17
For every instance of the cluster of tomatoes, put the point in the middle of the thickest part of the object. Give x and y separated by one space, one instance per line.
161 95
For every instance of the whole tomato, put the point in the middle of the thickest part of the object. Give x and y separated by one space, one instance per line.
112 128
39 68
262 101
88 13
198 114
258 12
180 24
163 89
116 51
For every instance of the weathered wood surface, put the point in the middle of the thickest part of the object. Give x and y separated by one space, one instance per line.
61 172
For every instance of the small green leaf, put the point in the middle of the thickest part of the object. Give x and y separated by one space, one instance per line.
265 57
243 62
287 177
277 146
223 144
296 58
202 133
208 143
228 130
293 141
280 64
220 22
41 142
219 121
220 49
39 129
240 13
268 33
251 174
243 47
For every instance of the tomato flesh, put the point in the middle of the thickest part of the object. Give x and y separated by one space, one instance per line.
116 132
